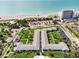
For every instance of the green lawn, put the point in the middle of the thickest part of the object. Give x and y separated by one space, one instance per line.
56 54
54 37
25 54
5 33
26 36
3 26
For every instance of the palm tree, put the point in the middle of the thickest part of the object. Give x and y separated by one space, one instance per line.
2 30
55 16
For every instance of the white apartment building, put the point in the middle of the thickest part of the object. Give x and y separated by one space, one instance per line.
67 15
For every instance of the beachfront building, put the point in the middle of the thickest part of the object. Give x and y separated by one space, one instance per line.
77 14
66 14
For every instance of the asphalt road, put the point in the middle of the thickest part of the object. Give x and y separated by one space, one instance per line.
70 36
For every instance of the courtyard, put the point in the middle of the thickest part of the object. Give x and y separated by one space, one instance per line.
26 36
54 37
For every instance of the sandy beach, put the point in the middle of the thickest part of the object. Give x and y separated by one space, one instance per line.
4 18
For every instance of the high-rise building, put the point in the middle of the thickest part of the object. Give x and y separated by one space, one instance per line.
66 14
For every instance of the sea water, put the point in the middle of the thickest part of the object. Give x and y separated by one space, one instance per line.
25 7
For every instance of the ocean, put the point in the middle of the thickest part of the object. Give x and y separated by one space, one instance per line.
25 7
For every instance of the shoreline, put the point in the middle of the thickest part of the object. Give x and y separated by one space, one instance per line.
25 16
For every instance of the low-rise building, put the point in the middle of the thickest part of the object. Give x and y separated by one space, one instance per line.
35 44
46 46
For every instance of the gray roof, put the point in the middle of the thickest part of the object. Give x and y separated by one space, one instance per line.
44 42
50 29
36 39
44 38
47 46
61 46
35 45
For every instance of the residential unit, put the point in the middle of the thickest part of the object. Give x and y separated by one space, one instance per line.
35 45
41 35
46 46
